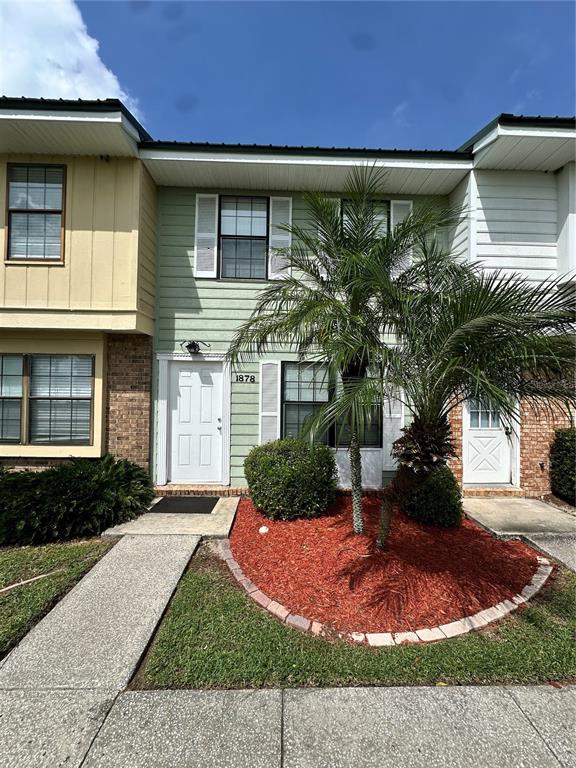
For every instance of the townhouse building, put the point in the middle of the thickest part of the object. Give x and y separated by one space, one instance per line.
129 263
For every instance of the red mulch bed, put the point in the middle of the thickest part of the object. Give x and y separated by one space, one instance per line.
427 576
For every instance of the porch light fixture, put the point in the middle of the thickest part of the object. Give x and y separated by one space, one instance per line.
193 347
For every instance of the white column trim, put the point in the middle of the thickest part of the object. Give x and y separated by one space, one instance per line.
472 217
226 410
161 458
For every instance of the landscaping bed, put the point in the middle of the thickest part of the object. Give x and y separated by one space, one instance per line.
426 576
25 605
214 636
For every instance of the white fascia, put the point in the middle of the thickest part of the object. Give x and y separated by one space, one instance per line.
309 160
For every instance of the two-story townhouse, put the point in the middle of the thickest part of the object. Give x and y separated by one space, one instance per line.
77 282
207 222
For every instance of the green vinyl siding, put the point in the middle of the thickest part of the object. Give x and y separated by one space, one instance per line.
210 310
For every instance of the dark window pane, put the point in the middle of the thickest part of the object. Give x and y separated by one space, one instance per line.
243 216
295 416
369 435
10 421
244 258
11 375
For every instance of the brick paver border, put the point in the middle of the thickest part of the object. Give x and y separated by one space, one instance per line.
378 639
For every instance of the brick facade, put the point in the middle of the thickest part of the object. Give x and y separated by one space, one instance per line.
128 393
536 435
456 464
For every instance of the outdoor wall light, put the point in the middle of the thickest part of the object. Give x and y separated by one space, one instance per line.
193 347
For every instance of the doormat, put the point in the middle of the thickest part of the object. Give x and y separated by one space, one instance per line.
187 505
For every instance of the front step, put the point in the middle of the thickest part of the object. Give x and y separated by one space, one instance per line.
179 489
494 492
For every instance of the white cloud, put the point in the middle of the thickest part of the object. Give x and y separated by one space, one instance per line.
399 113
45 50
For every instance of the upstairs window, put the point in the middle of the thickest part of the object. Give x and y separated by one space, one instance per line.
35 204
243 237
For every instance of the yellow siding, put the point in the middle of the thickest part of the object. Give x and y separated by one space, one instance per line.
107 200
70 343
147 245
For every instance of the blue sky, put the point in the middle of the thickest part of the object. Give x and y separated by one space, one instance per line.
388 74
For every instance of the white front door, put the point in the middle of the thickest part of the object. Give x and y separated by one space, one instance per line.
487 446
196 422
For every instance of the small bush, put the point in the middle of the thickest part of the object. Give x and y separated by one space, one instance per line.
291 478
563 465
78 499
436 500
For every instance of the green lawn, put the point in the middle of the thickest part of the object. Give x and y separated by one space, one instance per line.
23 606
213 636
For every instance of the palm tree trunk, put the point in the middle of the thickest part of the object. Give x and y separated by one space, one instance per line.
385 521
356 482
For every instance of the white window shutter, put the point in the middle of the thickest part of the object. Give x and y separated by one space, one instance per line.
280 215
337 200
400 210
206 236
392 423
269 400
381 215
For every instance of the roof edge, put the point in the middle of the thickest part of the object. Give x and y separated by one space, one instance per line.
273 149
507 118
75 105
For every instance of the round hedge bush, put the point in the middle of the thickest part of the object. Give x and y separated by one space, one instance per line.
563 465
291 478
436 500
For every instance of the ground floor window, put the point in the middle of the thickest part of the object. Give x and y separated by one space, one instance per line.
306 387
46 399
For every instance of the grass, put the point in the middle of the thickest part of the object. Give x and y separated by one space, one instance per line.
213 636
24 606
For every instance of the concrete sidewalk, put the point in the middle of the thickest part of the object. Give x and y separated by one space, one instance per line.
545 527
465 727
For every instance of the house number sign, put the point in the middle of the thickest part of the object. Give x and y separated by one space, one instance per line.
246 378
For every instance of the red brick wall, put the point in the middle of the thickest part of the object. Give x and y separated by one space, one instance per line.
536 435
128 390
456 426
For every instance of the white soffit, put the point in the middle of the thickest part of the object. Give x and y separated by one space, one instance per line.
514 148
298 173
74 133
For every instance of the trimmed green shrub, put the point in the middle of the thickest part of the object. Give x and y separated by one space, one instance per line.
291 478
77 499
436 499
563 465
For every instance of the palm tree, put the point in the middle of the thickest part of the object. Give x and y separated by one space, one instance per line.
462 333
324 309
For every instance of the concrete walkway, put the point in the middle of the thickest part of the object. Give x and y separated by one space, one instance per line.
547 528
217 524
94 638
306 728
